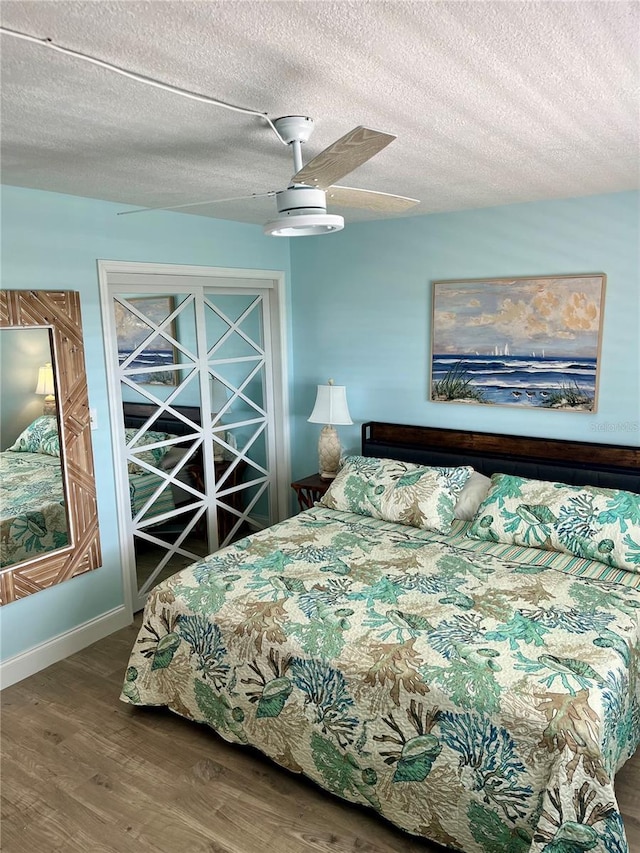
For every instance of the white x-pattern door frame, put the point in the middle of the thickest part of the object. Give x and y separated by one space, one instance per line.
118 278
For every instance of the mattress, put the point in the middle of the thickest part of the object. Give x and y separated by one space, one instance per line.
34 518
479 695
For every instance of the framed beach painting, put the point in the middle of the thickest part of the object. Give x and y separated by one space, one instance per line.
527 342
141 330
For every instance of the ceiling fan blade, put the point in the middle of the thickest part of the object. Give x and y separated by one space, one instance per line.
369 199
196 203
342 157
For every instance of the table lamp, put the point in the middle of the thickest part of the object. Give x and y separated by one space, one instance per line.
219 398
46 386
330 408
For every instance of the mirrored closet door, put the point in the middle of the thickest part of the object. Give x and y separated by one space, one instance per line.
197 415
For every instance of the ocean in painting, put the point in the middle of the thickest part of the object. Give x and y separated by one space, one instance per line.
146 359
527 380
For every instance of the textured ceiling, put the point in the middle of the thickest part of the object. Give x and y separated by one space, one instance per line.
492 102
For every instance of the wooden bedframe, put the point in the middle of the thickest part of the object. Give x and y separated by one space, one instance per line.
574 462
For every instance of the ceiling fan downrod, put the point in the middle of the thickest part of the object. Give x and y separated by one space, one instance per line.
294 130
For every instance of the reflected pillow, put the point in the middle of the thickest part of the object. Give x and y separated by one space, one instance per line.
599 524
474 492
173 457
152 457
41 436
397 491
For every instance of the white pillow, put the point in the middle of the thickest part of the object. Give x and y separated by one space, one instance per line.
474 492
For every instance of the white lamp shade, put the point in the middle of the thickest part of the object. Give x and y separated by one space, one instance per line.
45 384
219 395
331 406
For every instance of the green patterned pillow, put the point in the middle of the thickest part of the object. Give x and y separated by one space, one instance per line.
41 436
152 457
398 491
599 524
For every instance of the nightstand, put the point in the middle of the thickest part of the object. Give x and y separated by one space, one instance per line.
226 519
310 489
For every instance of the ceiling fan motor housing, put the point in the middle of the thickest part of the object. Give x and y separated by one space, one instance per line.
294 128
297 201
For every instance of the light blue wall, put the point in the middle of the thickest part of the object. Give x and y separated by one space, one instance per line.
362 313
53 241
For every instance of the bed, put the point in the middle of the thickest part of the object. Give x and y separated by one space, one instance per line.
180 427
472 689
149 493
34 517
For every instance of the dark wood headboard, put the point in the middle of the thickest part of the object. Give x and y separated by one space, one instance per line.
137 414
575 462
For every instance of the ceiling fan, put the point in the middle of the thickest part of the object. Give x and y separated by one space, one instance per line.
302 206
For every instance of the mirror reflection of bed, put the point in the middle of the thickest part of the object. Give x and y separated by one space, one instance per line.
33 510
182 461
44 419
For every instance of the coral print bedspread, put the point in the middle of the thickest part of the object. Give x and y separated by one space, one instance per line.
34 517
481 700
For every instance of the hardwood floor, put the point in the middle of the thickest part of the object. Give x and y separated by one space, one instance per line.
84 773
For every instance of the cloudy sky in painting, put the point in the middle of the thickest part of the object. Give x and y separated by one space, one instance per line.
558 315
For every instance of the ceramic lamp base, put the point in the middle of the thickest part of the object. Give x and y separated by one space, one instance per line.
49 406
328 452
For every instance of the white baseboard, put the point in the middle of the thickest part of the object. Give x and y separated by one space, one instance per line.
39 657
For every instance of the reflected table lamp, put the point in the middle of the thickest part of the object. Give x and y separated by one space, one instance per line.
219 398
46 386
330 408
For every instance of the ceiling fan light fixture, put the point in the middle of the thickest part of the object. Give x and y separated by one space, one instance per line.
304 225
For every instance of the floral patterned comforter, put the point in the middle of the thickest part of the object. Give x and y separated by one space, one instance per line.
482 702
34 518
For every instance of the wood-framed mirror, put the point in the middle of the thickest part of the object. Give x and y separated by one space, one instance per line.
58 440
